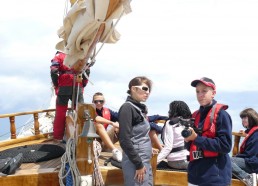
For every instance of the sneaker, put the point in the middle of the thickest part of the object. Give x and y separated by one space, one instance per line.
251 180
15 163
117 155
5 163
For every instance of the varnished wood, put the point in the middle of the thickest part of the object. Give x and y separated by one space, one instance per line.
36 123
113 4
72 2
69 127
237 137
33 174
31 179
236 145
238 134
84 144
175 178
48 170
26 113
112 176
35 114
46 173
12 127
160 121
154 166
27 139
79 65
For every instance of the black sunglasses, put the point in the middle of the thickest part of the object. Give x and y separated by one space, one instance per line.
100 101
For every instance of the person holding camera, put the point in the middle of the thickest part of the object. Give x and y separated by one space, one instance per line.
209 161
174 149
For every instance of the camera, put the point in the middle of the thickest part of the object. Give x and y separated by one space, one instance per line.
186 132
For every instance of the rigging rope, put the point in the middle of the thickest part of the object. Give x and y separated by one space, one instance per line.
69 158
97 176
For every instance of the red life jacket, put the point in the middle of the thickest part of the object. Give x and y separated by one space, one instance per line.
209 131
242 147
106 114
66 74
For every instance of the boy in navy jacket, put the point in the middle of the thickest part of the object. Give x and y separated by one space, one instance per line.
209 146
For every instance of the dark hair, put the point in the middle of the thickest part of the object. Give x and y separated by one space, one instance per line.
138 81
97 94
179 108
252 116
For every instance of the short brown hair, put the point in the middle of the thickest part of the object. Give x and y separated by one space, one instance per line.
97 94
252 116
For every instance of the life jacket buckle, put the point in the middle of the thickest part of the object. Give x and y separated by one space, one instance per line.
197 154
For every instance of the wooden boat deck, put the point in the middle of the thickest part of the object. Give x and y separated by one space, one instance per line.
28 173
46 173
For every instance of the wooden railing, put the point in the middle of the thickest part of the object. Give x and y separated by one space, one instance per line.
13 136
82 144
36 121
37 135
237 137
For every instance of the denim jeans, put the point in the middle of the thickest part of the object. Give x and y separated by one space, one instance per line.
180 164
239 168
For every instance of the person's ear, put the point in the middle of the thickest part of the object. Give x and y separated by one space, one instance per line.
133 89
213 93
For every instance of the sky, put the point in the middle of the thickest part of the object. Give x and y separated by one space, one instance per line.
172 42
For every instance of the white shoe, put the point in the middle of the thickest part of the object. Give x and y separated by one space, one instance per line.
251 180
254 179
117 155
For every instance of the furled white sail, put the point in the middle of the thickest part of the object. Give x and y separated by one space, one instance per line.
82 26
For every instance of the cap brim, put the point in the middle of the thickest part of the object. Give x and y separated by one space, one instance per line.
195 82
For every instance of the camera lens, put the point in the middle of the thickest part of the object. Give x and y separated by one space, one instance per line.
186 133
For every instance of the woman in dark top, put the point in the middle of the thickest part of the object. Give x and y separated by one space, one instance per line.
134 134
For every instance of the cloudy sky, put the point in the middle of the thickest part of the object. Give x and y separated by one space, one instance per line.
171 41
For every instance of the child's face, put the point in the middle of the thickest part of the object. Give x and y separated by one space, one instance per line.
245 122
204 94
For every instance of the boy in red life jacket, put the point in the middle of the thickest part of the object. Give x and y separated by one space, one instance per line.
245 163
63 79
105 118
209 147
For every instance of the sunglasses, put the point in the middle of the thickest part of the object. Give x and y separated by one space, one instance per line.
143 88
98 101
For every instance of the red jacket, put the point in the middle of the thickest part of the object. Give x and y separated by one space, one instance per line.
209 130
106 114
62 75
242 147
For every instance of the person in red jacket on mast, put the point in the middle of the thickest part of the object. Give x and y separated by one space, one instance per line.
66 86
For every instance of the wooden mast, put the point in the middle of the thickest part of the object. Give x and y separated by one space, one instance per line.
84 147
80 64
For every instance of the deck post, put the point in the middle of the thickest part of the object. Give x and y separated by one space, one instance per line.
36 123
154 165
237 137
12 127
84 148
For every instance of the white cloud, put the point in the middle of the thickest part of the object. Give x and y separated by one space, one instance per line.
172 42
